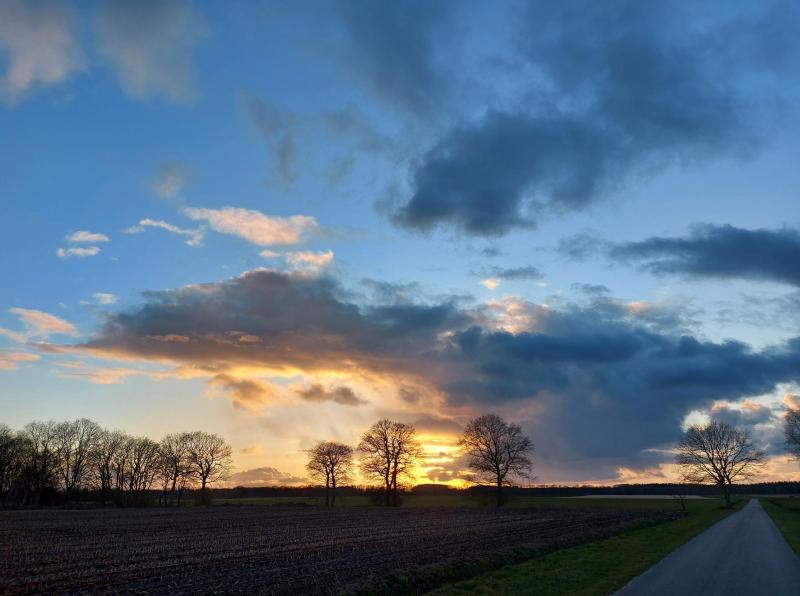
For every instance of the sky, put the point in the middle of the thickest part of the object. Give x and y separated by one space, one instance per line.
281 223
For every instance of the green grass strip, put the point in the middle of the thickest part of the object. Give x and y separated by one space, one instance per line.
596 568
785 513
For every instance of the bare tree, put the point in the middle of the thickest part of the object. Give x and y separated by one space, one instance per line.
74 442
40 439
497 451
331 462
142 467
210 457
389 451
176 467
791 430
12 465
104 454
719 454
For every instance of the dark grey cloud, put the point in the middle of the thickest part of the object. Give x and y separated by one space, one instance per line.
610 378
279 131
515 273
342 395
394 46
579 247
623 89
749 415
719 252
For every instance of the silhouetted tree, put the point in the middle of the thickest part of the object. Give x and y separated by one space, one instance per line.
74 442
48 459
497 451
388 452
718 453
210 458
331 462
791 430
13 465
103 458
42 457
176 466
143 460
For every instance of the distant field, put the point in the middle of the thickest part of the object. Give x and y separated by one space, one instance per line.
283 549
785 513
612 501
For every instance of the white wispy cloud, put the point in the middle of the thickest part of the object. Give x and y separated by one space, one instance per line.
254 226
38 44
309 260
11 360
194 236
490 283
38 325
104 298
86 237
78 251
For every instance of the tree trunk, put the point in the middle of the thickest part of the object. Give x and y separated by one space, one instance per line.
726 492
333 493
394 490
500 498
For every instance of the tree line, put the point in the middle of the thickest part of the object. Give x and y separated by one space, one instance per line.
496 452
51 461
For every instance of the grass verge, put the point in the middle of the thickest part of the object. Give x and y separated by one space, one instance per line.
599 567
785 513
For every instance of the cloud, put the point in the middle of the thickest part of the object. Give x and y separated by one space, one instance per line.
573 374
745 415
104 298
78 251
256 449
169 181
248 394
195 236
394 48
341 395
149 43
39 324
86 237
309 261
284 130
581 246
265 476
515 273
490 283
40 46
619 92
279 130
254 226
100 375
11 360
723 252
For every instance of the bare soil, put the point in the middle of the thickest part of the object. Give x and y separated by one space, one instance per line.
268 550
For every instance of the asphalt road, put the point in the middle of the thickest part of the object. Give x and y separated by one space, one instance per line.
743 554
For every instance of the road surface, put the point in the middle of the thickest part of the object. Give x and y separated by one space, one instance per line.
743 554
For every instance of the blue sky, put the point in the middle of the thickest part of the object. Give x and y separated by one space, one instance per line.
438 159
